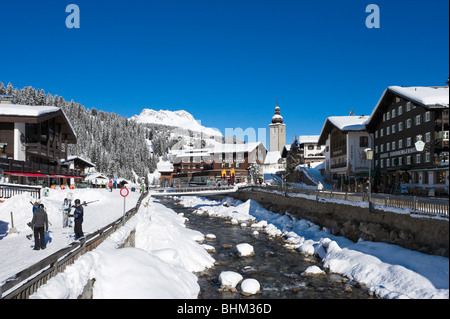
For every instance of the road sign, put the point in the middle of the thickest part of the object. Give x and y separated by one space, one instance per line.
124 192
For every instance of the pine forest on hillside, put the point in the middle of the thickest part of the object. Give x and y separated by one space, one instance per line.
112 142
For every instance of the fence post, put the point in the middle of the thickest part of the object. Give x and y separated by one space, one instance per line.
415 203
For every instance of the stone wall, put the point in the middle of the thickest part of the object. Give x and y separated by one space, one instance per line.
424 234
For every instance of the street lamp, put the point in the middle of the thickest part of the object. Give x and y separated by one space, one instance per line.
369 157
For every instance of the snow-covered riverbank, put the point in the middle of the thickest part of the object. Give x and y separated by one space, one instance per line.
389 270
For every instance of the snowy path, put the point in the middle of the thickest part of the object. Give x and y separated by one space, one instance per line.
16 251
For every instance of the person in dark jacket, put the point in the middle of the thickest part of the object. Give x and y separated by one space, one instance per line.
40 226
78 218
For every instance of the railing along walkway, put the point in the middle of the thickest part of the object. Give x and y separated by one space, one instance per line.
49 267
428 206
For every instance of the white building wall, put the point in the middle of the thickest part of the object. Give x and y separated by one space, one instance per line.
19 147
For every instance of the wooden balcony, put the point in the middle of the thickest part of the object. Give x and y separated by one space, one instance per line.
10 165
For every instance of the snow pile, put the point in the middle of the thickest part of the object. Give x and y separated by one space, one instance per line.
160 266
161 228
250 286
245 250
388 270
313 270
230 279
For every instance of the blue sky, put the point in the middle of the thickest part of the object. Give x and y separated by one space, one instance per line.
225 62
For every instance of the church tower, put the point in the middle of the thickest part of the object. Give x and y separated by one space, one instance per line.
277 132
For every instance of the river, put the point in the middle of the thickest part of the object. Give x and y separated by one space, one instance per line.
277 269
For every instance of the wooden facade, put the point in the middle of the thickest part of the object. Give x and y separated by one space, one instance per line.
207 166
33 141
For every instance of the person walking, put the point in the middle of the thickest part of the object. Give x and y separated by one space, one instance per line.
78 217
40 226
320 186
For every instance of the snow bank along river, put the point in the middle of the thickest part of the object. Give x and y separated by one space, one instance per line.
281 272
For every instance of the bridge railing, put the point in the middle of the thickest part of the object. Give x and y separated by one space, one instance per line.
415 204
191 189
50 266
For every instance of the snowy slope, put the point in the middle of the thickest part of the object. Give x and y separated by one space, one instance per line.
180 119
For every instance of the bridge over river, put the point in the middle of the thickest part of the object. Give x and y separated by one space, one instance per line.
193 191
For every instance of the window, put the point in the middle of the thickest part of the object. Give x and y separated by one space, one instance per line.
388 116
393 145
388 162
382 163
388 147
418 158
376 148
400 143
376 134
408 142
381 148
427 116
408 160
439 177
427 157
381 132
400 126
384 117
400 161
310 147
427 137
400 110
393 113
363 141
408 123
388 130
417 120
393 128
408 106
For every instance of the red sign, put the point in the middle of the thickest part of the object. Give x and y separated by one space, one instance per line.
125 192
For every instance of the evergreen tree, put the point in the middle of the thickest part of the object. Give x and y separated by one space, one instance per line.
293 159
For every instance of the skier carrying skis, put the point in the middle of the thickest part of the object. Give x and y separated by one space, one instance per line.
78 217
39 224
65 208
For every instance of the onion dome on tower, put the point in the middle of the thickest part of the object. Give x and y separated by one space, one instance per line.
277 118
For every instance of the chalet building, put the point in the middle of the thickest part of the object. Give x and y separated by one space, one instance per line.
224 162
33 141
312 151
403 117
345 139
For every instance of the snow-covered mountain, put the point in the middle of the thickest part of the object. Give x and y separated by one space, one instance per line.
180 119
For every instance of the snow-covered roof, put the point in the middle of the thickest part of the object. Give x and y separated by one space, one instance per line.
26 110
272 157
425 95
237 148
74 157
164 166
302 139
95 176
343 123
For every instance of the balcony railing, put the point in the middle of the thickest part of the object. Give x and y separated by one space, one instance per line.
30 167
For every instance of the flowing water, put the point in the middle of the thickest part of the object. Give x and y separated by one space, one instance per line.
277 269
